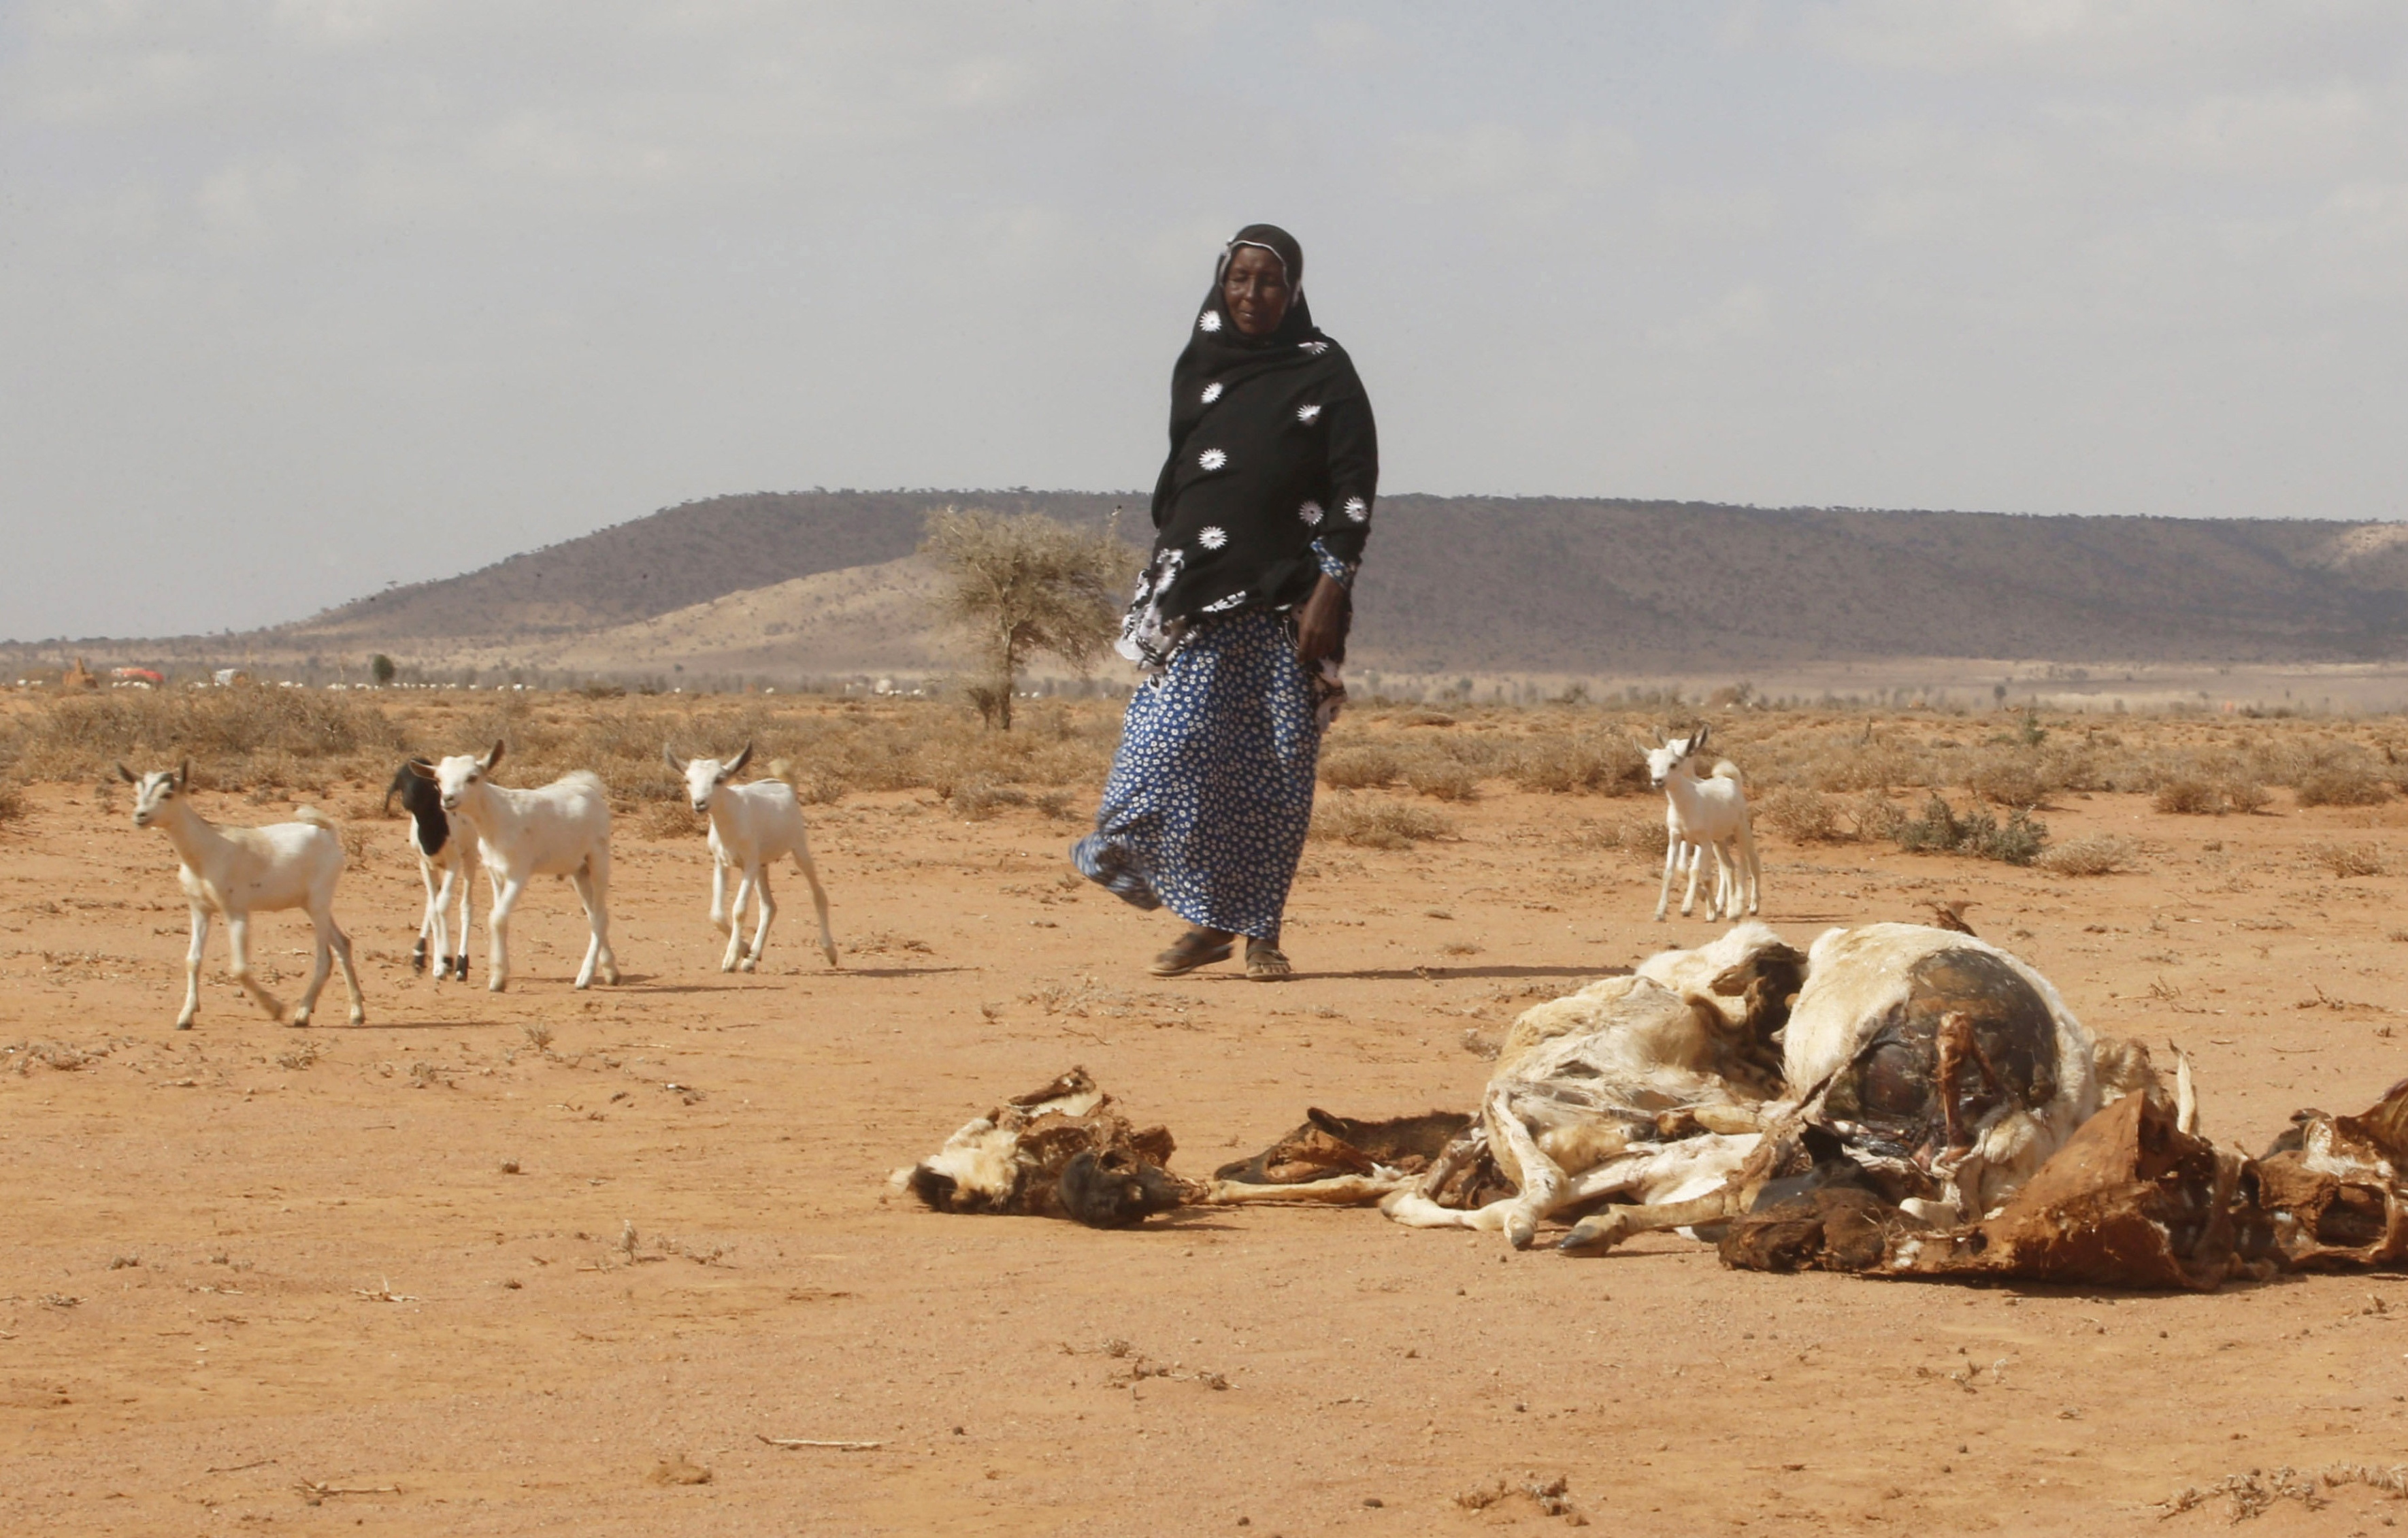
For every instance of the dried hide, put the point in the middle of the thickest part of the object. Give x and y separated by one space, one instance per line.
2132 1201
1062 1151
2332 1187
1340 1160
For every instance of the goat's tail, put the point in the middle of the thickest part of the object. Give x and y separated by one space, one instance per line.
1724 769
315 818
782 770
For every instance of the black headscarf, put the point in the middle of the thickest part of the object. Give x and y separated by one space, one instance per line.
1270 447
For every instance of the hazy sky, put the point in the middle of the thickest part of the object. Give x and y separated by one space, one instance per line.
298 297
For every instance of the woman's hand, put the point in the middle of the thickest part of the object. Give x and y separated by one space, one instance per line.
1321 624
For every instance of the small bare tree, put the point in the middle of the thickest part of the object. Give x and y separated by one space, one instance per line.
1026 583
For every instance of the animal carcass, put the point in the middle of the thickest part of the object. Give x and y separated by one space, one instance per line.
1062 1151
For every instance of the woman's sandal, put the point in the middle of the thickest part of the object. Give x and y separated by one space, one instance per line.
1267 963
1194 949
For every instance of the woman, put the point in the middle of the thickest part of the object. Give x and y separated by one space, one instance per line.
1240 618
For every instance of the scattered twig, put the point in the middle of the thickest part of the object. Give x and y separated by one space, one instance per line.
385 1294
237 1468
313 1492
791 1441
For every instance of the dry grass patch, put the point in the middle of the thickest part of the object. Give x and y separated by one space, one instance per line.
2340 786
12 802
1377 823
2348 859
1805 816
1359 768
2092 854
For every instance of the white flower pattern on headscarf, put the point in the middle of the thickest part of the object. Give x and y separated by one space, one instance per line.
1358 509
1212 392
1209 321
1235 600
1316 347
1310 514
1307 414
1211 459
1213 537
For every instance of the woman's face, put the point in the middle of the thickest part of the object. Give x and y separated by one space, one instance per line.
1255 290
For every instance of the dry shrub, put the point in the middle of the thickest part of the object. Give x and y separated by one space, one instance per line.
1602 766
1805 816
12 802
1643 839
2188 797
1441 777
1359 768
2348 859
231 733
1377 823
2008 779
2092 854
1940 831
2340 786
980 796
671 819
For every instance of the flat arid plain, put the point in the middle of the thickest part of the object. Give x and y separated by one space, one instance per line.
550 1259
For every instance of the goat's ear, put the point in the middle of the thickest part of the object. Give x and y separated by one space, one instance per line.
128 775
184 774
1662 740
491 758
1697 743
742 759
671 759
421 767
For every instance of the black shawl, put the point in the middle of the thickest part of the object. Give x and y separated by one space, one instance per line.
1272 446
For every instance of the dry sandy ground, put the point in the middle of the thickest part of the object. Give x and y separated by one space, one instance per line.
232 1270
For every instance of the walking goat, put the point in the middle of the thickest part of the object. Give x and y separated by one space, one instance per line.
439 848
563 830
752 828
1708 811
237 872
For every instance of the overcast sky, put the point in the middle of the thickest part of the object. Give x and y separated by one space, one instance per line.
298 297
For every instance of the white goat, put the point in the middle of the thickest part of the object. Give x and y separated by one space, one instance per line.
441 850
563 830
752 828
1710 812
237 872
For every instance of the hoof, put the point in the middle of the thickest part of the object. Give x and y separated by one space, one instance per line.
1520 1230
611 975
497 985
746 965
359 1017
582 983
829 950
1595 1235
183 1025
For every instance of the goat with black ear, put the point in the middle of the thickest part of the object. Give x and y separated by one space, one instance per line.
439 848
752 828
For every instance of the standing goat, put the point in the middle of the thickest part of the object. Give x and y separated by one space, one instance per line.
1711 813
563 830
432 840
237 872
752 828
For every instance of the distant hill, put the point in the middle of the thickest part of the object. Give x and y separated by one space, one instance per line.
820 582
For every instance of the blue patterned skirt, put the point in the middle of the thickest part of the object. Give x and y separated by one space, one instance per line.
1210 794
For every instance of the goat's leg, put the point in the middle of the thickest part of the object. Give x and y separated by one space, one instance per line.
193 969
768 911
810 870
601 960
734 925
1542 1178
497 933
1727 877
1671 864
1755 867
359 1015
467 891
431 921
238 955
719 895
1600 1232
1689 897
321 959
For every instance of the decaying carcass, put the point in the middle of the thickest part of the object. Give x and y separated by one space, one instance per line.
1340 1160
1946 1070
1647 1086
1062 1151
2334 1189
